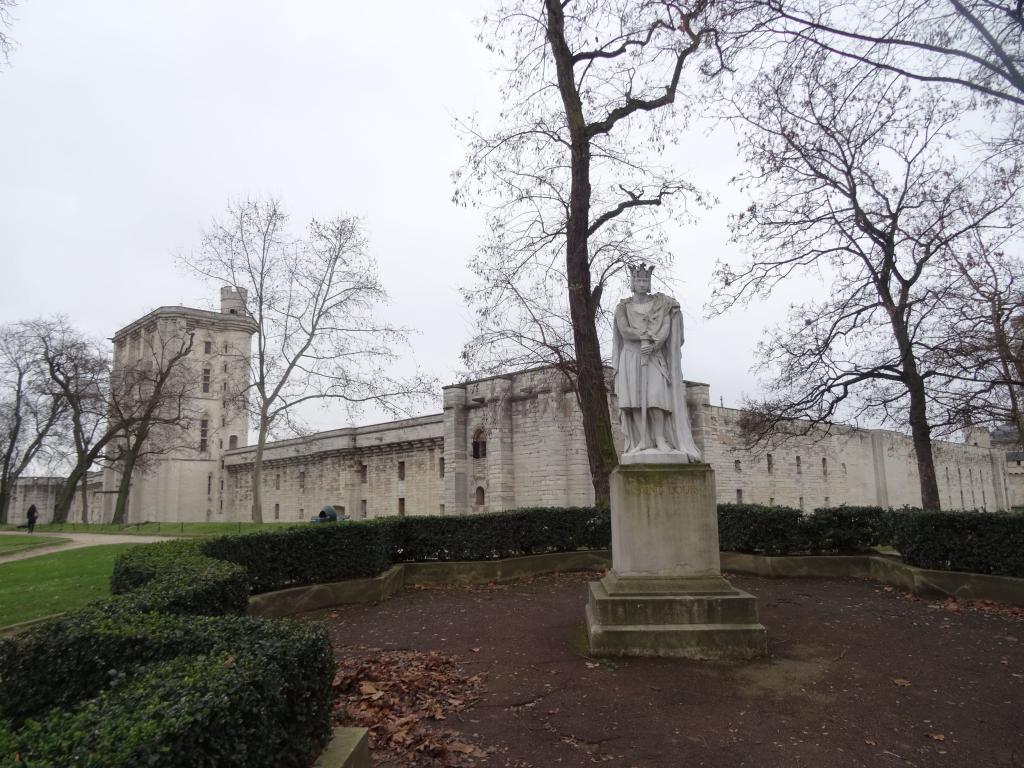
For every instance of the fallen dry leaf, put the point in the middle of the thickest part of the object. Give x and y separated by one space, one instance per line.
936 736
901 682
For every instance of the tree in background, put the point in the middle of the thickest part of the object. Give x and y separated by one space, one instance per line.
313 300
29 409
975 45
78 371
150 401
982 347
568 175
854 182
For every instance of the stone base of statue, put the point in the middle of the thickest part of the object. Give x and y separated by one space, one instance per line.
665 595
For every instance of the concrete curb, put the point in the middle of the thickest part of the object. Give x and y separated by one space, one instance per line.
920 581
287 602
348 748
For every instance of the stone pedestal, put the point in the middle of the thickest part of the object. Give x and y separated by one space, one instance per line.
665 595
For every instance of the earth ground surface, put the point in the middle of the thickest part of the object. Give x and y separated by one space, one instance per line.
859 675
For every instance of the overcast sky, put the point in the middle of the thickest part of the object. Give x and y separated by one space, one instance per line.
126 125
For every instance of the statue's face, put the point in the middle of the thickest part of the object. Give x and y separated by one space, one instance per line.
641 283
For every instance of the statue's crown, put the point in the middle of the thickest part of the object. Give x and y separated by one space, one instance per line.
640 270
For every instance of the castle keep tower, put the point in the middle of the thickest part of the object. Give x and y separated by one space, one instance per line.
183 480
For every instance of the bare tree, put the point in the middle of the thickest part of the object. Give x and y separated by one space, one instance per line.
78 369
29 409
150 400
982 347
313 300
6 22
573 193
975 44
855 185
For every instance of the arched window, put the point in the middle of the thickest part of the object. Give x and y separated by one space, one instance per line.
479 496
479 444
233 441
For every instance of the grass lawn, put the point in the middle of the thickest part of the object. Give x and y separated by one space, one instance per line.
165 529
11 544
39 586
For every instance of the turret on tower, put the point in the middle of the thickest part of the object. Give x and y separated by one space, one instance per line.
232 300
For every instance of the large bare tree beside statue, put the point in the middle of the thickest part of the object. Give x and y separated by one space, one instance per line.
314 301
856 179
571 182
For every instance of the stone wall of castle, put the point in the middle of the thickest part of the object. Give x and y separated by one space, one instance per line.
517 441
43 492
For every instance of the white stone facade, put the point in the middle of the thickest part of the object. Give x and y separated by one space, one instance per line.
500 443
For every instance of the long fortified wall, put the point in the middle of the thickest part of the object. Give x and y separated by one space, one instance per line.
517 441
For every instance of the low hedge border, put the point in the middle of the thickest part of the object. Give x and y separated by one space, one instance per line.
162 674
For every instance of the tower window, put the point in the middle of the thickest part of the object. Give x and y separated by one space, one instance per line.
739 495
207 347
363 473
206 379
799 468
277 482
737 465
401 470
771 464
479 496
480 445
277 511
824 466
401 507
233 441
440 467
204 429
302 481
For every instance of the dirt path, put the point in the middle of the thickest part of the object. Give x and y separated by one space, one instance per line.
77 541
859 675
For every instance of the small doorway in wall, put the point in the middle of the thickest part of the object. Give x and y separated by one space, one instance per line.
480 496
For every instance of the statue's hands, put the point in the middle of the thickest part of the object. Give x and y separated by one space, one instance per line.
646 347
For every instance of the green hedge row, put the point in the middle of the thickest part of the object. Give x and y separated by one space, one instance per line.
978 542
325 553
162 674
787 531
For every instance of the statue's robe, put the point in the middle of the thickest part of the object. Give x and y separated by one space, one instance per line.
661 321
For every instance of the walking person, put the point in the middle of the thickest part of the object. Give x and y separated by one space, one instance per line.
33 515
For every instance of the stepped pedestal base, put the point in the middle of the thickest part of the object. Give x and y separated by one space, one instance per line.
665 595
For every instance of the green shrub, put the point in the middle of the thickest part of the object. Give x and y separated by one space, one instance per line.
832 530
218 709
299 556
89 649
509 534
754 528
978 542
177 578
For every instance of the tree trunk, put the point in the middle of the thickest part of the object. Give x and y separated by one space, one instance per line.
920 429
84 485
5 500
257 472
593 395
66 495
124 489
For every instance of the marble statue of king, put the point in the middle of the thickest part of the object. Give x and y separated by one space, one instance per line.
646 353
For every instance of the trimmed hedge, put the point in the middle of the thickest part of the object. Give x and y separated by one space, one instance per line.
787 531
158 675
530 531
978 542
325 553
299 556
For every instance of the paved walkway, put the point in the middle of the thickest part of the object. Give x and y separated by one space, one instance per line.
77 541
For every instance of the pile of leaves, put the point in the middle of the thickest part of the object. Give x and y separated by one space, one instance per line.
401 696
